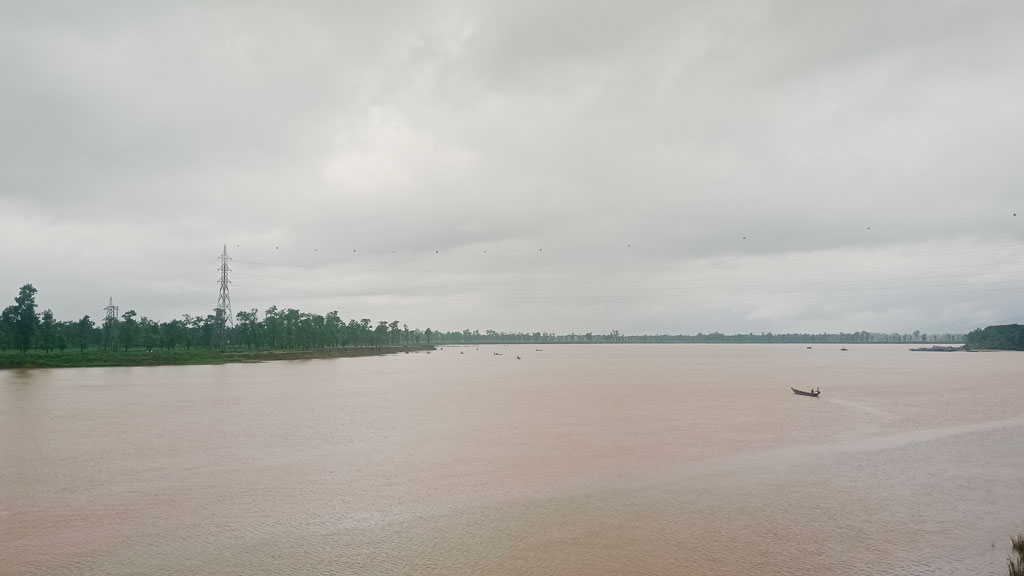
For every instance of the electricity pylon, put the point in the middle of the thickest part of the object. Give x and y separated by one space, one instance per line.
224 300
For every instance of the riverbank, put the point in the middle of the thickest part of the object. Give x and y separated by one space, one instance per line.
96 358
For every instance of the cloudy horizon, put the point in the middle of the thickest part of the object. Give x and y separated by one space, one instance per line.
660 167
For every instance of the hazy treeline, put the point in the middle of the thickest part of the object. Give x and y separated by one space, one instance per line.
1005 337
492 337
24 328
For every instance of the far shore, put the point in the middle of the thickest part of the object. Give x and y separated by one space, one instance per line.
180 357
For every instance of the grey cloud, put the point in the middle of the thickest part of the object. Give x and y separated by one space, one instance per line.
157 133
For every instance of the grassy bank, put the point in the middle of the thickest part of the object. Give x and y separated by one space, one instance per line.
90 358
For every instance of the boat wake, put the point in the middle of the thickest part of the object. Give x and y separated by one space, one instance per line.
863 407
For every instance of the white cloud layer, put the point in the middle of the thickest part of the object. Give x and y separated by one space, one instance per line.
571 166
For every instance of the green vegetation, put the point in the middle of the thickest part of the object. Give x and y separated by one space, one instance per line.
32 339
20 322
1005 337
29 338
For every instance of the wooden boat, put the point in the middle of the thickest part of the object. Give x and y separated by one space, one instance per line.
802 393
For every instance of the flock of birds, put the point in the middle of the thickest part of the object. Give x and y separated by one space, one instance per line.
354 251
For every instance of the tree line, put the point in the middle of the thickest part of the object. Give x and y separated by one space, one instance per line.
1005 337
492 337
23 328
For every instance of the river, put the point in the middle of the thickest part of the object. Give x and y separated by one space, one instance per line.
573 460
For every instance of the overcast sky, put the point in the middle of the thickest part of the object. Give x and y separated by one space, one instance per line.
650 167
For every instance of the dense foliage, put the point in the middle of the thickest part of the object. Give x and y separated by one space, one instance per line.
23 328
1005 337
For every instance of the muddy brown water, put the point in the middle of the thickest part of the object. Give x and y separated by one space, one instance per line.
574 460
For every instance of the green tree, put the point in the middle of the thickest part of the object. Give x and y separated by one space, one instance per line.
47 331
209 328
65 333
219 337
173 332
150 333
274 328
249 327
22 318
83 332
335 328
380 333
290 320
1006 337
354 329
111 329
130 329
7 328
364 332
190 330
313 330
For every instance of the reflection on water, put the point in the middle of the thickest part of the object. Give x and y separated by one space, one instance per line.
623 459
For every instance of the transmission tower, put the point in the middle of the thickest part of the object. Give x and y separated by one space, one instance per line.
224 300
111 310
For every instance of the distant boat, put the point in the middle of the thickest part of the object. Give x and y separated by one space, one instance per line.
518 358
497 354
802 393
539 350
808 347
842 350
938 349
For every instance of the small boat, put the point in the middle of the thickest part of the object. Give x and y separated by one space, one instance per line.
497 354
842 350
808 347
802 393
518 358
